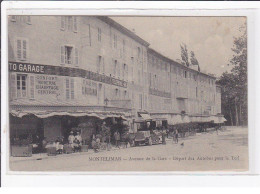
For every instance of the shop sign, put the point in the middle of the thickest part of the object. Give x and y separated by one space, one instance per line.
26 68
64 71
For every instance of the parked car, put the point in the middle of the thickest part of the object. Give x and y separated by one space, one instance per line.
143 137
156 137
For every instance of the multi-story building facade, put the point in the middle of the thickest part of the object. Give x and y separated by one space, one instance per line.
82 65
176 90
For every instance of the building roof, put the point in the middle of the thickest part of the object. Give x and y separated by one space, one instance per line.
123 29
154 52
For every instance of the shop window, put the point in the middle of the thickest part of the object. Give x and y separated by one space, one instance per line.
21 86
22 49
32 87
69 23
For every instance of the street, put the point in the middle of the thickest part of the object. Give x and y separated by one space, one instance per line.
225 151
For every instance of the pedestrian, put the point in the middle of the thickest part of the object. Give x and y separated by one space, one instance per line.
176 135
117 138
71 139
78 136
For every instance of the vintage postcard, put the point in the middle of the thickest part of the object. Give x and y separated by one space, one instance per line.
127 93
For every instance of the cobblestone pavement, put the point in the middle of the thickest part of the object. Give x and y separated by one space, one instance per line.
225 151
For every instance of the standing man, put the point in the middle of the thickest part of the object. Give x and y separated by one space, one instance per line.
117 138
176 135
71 139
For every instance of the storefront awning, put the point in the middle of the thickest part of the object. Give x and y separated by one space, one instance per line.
44 114
145 116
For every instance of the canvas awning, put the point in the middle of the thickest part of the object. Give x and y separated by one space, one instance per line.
45 114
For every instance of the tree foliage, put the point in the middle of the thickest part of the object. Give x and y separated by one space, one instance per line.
184 55
234 84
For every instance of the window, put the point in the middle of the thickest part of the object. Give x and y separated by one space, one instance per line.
69 23
123 46
124 71
21 19
115 67
185 74
139 52
21 49
115 41
99 64
99 34
67 54
21 86
13 18
70 88
32 87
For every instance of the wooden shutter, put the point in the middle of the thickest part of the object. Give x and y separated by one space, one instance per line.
62 23
62 54
76 56
72 88
24 57
13 93
19 49
75 24
32 87
67 88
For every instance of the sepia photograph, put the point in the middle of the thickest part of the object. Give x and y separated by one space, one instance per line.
127 93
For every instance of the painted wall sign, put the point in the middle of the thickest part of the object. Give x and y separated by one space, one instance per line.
46 85
159 93
64 71
27 68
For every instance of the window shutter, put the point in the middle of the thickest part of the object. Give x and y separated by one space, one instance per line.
72 88
76 55
13 86
32 87
13 18
24 50
62 24
67 88
62 54
75 24
19 49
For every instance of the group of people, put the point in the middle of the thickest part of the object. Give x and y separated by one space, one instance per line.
104 137
75 141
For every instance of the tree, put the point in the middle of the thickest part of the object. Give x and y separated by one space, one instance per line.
184 55
193 60
234 84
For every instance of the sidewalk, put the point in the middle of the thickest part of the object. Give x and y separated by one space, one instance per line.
43 156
